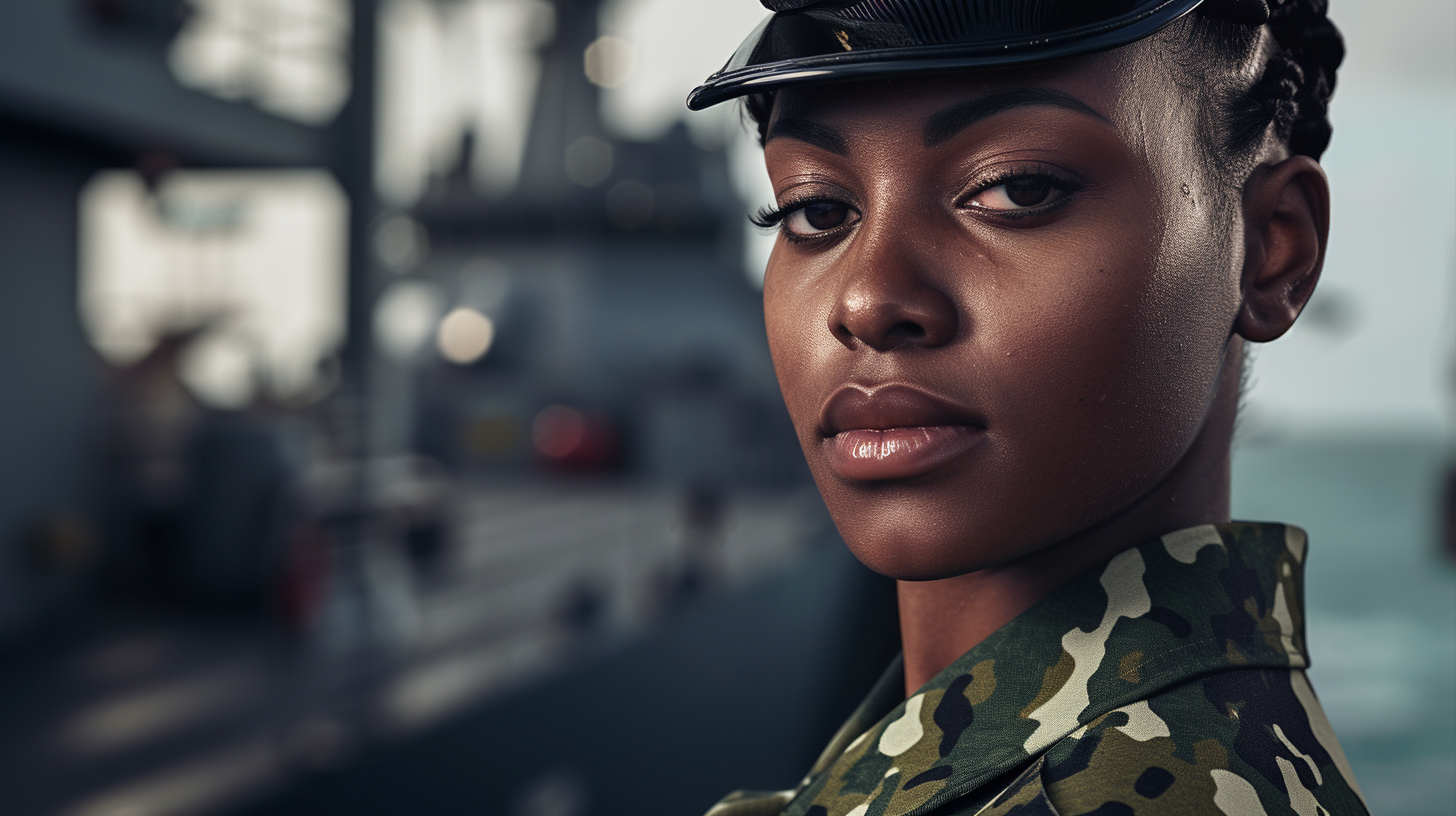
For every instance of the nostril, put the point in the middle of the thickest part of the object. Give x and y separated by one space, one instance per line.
904 332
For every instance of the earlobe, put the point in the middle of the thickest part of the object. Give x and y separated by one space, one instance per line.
1286 227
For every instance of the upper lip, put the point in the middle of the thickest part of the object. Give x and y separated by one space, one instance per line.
856 407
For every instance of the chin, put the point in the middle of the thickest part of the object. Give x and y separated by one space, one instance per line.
932 529
923 549
905 559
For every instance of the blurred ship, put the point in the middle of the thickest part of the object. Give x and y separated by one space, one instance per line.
612 279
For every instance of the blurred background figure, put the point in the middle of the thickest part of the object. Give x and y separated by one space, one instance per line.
388 425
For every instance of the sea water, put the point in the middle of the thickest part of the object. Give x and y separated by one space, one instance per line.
1381 601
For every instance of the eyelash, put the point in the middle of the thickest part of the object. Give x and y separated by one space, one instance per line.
772 218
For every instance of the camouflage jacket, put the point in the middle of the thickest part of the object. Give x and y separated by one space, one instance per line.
1169 681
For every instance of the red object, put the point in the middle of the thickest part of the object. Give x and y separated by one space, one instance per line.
568 439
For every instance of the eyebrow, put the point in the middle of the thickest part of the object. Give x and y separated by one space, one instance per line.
807 130
941 126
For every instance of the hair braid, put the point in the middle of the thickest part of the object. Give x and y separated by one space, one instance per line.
1305 33
1293 93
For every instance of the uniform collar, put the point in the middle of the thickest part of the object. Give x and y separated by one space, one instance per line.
1197 601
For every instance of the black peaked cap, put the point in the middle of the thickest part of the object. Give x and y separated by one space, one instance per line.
826 40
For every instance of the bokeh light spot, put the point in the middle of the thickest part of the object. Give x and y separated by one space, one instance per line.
610 61
465 335
558 431
404 317
588 161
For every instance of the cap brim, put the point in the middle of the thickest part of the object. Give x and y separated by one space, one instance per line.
748 72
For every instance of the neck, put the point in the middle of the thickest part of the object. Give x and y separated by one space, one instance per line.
941 620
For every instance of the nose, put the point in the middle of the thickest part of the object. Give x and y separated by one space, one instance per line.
889 301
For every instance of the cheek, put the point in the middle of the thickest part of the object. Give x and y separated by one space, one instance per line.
795 322
1106 363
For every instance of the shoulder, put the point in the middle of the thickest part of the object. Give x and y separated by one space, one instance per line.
1250 741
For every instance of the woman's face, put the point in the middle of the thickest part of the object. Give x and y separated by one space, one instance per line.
999 303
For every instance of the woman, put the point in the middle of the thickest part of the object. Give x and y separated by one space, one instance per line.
1021 247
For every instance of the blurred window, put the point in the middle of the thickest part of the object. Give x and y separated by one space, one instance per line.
289 57
451 67
253 260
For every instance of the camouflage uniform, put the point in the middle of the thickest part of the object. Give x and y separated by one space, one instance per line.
1168 682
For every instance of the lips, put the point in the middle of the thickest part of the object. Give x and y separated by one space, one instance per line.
894 432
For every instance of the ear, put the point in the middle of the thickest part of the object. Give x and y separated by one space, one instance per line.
1286 228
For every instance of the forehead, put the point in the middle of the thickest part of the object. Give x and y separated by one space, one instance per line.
1118 86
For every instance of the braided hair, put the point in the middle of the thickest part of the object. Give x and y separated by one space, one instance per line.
1292 94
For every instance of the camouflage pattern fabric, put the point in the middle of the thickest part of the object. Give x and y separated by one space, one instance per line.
1169 681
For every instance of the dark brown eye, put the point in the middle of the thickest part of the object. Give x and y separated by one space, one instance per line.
1028 192
825 215
1022 192
818 216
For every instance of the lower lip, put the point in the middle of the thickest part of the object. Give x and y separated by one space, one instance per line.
898 453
